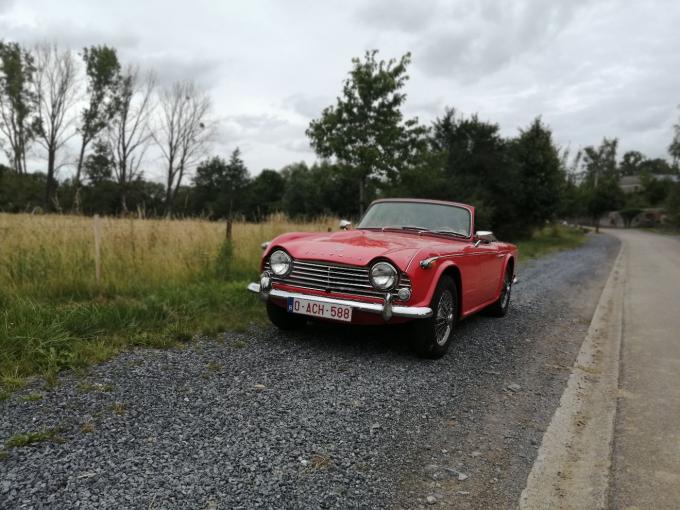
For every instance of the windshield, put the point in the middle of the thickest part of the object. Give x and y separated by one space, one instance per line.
418 216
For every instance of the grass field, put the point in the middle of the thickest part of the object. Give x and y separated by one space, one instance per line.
162 282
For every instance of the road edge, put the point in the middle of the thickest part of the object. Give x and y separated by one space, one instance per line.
572 468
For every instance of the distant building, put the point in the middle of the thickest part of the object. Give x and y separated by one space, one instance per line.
633 183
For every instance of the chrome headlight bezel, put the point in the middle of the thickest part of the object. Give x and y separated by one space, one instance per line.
280 263
383 276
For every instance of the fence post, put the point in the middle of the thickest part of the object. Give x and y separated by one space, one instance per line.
97 250
229 224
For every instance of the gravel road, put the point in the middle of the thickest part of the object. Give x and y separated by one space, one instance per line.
327 418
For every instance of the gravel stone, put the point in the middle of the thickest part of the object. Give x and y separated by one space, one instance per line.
349 418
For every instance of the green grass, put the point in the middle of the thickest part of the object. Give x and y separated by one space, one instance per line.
550 239
29 438
45 336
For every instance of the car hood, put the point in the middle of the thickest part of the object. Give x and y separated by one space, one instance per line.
357 247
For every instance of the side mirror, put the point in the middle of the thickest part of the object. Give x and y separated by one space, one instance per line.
484 236
345 225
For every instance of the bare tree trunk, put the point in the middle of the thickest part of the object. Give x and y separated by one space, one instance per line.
50 187
78 185
362 195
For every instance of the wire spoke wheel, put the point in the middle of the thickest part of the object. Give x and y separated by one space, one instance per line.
444 318
505 295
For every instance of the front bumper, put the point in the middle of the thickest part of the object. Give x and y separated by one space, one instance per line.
386 309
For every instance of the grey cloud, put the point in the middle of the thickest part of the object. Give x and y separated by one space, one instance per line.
307 106
171 67
485 36
68 34
401 15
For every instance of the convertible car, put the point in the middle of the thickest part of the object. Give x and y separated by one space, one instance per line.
408 260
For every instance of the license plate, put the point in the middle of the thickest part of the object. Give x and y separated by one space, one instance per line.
323 310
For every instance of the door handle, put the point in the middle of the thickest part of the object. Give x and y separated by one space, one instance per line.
500 255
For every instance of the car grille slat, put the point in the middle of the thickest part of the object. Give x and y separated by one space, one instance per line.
334 278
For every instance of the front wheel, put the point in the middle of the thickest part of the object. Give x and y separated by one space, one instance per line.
284 320
500 307
434 334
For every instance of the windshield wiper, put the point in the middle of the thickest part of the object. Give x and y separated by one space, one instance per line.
408 227
451 232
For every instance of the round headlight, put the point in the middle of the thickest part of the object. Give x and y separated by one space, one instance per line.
280 263
383 276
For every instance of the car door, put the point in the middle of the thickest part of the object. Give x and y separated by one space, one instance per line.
483 267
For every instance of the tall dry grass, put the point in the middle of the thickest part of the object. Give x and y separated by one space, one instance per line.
55 254
162 282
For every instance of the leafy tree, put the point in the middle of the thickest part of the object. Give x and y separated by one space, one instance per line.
365 129
102 70
605 197
656 166
631 163
21 192
221 185
540 174
600 163
17 100
673 204
654 189
265 193
480 170
601 186
98 166
674 147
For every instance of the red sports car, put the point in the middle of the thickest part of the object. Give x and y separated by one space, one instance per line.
408 260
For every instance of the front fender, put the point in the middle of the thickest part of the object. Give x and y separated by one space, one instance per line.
425 281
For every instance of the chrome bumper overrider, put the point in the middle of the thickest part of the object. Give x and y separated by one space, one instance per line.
387 309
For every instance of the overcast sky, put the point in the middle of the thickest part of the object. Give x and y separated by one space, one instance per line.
589 68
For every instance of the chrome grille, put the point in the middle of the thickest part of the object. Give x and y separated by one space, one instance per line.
334 278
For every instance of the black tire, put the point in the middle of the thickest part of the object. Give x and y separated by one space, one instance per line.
428 343
282 319
500 307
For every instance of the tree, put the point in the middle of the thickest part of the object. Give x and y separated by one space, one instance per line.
600 162
540 173
184 133
56 90
99 165
365 129
129 132
601 186
17 120
674 147
264 193
102 70
673 204
605 197
631 163
480 170
221 185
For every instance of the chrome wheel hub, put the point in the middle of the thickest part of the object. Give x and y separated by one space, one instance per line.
444 319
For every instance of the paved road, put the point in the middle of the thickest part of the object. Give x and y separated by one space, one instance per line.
325 418
646 461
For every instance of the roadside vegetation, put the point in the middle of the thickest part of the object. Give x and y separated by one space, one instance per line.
549 240
162 282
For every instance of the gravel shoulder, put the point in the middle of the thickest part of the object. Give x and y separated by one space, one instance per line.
327 418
